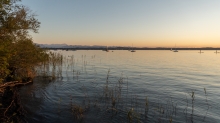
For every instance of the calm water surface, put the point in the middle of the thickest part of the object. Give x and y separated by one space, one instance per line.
166 78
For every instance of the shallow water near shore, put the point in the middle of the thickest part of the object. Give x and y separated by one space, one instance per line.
182 87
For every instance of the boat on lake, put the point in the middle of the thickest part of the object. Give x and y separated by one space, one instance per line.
216 52
175 49
106 49
201 51
132 49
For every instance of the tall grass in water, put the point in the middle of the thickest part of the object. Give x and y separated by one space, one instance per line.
52 67
114 104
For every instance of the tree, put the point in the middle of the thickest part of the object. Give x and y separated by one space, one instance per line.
19 55
16 20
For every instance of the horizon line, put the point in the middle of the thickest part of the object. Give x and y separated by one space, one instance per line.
124 46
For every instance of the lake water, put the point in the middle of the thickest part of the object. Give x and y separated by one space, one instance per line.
121 86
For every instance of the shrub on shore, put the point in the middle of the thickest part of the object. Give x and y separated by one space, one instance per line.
19 55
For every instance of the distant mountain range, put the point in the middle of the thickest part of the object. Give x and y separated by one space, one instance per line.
98 47
69 46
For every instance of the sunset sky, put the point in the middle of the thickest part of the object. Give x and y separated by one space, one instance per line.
143 23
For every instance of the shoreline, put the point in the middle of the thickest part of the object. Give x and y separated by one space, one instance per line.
10 106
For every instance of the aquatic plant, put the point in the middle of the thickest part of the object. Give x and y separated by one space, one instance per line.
114 100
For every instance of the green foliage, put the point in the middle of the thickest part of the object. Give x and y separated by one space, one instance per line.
4 60
16 20
26 56
19 55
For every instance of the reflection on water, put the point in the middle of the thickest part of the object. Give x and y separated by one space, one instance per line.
120 86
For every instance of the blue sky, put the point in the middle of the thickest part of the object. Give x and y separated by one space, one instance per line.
144 23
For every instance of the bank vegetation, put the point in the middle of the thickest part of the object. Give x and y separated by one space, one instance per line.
19 56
